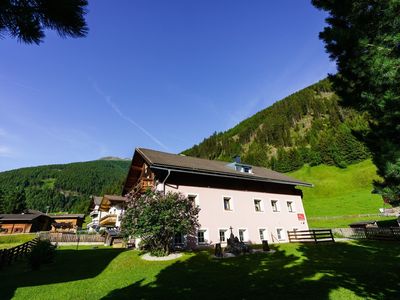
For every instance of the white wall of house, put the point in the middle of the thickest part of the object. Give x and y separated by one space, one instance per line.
96 219
243 216
116 209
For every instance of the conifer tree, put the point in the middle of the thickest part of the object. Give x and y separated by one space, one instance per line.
363 38
27 20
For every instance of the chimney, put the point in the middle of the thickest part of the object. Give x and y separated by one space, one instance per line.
236 159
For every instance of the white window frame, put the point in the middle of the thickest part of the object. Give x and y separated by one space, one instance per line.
206 237
226 235
292 205
231 207
278 208
246 237
197 198
265 234
262 208
283 235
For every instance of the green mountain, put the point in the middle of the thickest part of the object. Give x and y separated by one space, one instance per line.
63 187
307 127
307 131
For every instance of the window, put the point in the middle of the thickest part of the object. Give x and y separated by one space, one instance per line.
201 236
262 234
18 230
290 206
279 233
247 169
194 199
227 203
257 205
178 239
242 235
274 204
222 237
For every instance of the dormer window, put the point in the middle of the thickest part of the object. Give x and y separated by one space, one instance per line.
246 169
240 167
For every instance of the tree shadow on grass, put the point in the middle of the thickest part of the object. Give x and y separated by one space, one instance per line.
69 265
369 269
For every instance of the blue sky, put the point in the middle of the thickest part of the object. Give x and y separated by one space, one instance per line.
157 74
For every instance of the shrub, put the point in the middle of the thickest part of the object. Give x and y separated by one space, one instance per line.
156 218
42 253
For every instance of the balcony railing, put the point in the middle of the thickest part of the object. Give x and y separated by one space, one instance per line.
143 185
110 219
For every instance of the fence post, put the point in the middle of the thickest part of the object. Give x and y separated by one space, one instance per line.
315 236
330 231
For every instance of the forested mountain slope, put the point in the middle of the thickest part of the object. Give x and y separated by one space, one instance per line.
64 187
308 126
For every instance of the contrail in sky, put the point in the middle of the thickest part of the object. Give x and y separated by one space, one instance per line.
126 118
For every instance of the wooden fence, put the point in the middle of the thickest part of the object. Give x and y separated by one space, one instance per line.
370 233
62 237
7 256
311 236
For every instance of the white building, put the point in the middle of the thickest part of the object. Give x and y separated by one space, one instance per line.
257 203
107 212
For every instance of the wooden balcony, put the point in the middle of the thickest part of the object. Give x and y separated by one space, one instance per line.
143 185
108 220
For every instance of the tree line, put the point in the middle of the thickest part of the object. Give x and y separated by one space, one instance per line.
60 188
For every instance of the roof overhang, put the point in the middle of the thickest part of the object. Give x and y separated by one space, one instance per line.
108 201
139 158
227 175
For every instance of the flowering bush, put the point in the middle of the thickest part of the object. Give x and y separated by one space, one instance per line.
156 218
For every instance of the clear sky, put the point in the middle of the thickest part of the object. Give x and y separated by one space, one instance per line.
156 74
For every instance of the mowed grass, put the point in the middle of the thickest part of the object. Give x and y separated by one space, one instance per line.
343 222
336 271
9 241
340 192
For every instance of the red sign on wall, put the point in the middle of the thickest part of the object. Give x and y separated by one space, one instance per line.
301 217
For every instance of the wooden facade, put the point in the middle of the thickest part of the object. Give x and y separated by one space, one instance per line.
67 223
24 223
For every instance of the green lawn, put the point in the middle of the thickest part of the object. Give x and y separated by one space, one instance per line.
9 241
339 192
294 271
342 222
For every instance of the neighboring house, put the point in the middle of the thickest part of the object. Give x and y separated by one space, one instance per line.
67 222
95 214
257 203
31 221
111 210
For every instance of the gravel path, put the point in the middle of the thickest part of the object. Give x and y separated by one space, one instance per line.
172 256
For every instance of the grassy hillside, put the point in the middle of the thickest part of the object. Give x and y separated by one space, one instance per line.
63 187
339 192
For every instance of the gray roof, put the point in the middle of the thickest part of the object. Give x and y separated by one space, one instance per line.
68 216
116 198
18 217
97 200
219 168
